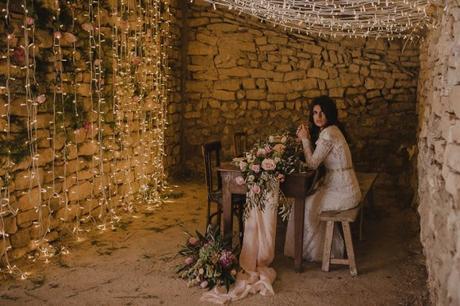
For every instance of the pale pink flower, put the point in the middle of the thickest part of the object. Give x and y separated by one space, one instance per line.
239 180
255 168
57 35
88 27
280 177
97 62
268 164
243 166
137 60
204 284
283 139
233 272
40 99
189 260
255 188
192 241
261 152
29 21
268 149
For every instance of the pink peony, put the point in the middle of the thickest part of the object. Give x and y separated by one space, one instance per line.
255 168
189 260
268 164
256 189
239 180
192 241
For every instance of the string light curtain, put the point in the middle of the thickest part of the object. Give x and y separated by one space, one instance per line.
354 18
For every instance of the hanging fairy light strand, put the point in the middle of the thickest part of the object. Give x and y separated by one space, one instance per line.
360 18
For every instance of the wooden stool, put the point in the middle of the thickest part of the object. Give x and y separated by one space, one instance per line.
345 217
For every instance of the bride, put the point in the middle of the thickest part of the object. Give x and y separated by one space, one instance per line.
340 189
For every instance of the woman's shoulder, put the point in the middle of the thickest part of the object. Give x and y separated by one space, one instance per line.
331 133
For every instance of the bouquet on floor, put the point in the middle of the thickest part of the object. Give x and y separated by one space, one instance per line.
265 166
207 260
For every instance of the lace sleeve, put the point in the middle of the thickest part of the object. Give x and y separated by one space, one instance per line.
314 159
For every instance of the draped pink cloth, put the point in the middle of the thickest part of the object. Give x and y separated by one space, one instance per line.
256 255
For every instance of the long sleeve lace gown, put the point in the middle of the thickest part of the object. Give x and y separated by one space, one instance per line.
340 191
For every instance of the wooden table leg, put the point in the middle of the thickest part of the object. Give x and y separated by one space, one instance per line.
227 210
299 216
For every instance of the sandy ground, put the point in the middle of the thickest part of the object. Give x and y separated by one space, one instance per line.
134 264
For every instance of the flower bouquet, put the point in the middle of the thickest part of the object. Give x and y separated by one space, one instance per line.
207 260
265 166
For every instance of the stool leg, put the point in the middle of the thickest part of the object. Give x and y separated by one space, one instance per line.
327 246
361 217
349 246
208 218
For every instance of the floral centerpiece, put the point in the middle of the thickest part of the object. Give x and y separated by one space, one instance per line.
207 260
265 166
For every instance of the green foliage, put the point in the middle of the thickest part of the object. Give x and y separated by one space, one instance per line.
17 146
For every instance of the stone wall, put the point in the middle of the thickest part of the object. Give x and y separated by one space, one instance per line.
247 76
66 186
439 156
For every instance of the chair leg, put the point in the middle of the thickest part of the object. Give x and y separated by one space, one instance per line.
361 218
327 246
208 218
349 247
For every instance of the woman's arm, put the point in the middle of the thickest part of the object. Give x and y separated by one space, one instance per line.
314 159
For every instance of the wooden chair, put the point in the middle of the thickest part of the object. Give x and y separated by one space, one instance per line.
211 154
239 144
345 217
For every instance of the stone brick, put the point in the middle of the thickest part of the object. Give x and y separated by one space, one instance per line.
256 94
223 95
20 239
80 192
198 48
317 73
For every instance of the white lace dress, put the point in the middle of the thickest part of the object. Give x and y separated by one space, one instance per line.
339 191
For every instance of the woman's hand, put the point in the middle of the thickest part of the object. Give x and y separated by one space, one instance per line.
303 132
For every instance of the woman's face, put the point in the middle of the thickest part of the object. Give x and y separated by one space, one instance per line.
319 118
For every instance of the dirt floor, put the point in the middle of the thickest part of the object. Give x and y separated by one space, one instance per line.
134 264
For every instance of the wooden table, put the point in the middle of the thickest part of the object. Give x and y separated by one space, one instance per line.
296 185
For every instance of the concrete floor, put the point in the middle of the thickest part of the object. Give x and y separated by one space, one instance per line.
134 264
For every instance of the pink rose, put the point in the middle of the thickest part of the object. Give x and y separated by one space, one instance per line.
280 177
256 189
255 168
192 241
40 99
243 165
239 180
188 261
57 35
268 164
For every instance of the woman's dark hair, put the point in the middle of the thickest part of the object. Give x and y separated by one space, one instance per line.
329 109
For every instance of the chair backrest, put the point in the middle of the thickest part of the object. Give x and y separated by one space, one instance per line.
239 144
211 154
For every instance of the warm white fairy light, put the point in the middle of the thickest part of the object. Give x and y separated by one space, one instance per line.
140 68
359 18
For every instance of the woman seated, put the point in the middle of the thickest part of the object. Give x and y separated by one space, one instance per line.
324 143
